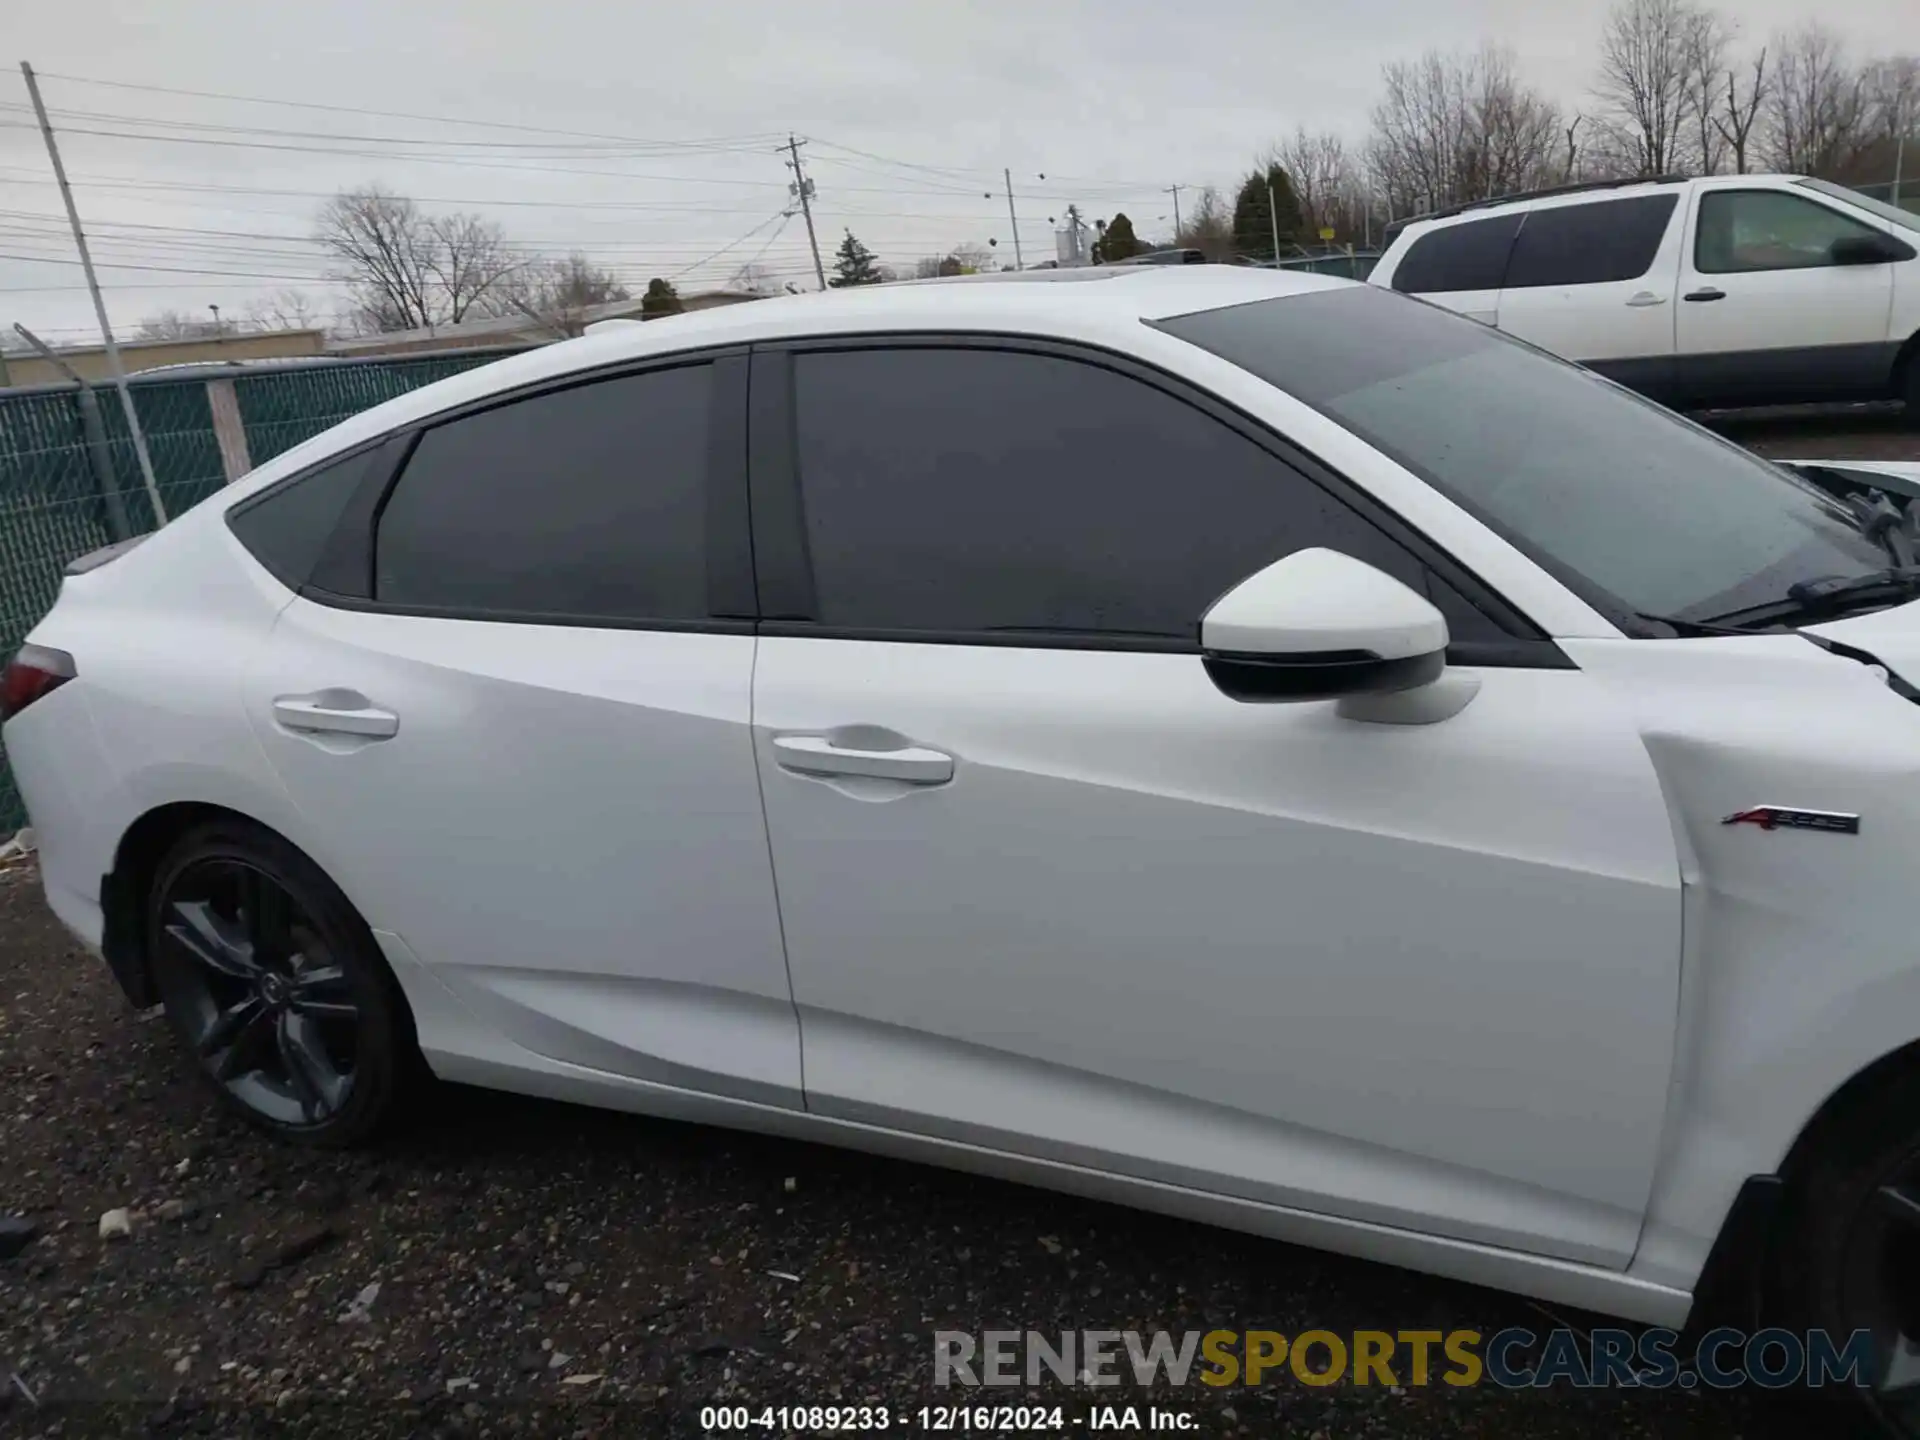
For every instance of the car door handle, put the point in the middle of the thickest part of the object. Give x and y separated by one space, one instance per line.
1707 294
309 714
817 755
1646 298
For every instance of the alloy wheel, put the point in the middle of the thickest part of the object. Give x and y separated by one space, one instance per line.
264 1002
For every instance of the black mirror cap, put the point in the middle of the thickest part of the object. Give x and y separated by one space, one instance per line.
1321 675
1869 250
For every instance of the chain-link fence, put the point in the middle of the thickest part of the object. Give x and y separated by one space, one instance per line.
70 481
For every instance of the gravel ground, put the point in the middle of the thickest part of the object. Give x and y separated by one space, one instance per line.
555 1271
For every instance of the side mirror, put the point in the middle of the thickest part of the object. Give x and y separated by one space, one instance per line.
1867 250
1319 625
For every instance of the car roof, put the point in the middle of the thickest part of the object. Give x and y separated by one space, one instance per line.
1041 303
1587 194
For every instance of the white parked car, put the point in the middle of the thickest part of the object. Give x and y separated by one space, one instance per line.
1725 291
1243 743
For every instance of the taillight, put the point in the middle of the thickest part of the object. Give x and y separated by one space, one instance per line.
36 671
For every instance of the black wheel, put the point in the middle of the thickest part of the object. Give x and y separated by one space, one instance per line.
1910 390
276 986
1849 1256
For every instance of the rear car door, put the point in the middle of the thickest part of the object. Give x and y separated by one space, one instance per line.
512 705
1593 281
1767 316
1460 264
1047 890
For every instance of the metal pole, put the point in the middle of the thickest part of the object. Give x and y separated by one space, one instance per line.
1273 214
99 453
1014 220
806 209
1899 163
99 305
1176 189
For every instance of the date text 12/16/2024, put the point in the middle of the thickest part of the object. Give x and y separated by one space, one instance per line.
942 1419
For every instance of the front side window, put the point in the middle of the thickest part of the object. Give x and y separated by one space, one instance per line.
979 490
578 504
1469 255
1591 243
1630 506
1748 230
1905 219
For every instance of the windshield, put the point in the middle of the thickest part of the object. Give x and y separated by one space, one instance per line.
1872 206
1633 508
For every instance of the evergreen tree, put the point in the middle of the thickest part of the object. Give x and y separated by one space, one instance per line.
853 264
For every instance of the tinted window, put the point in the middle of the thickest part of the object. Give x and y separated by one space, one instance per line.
1590 243
584 503
286 529
1743 230
1624 501
988 490
1468 256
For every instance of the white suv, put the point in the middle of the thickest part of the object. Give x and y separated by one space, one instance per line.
1729 290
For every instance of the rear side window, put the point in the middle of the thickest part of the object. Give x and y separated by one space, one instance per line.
1469 256
979 490
286 529
1591 243
582 504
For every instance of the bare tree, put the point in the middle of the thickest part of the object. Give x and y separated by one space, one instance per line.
1207 226
1322 174
974 258
179 325
1739 104
752 279
1457 127
283 310
1815 118
1644 85
1892 98
408 270
1705 42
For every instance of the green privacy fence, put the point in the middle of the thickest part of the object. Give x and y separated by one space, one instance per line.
61 497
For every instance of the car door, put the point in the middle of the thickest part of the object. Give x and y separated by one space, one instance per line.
514 717
1460 264
1045 889
1766 315
1593 281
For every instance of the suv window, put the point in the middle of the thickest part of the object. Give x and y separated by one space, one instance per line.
1591 243
980 490
286 528
1743 230
581 504
1471 255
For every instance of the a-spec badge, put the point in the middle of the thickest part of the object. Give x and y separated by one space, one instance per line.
1780 817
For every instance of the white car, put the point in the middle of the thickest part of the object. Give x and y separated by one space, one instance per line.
1243 743
1725 291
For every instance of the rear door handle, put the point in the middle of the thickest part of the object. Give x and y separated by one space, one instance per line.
1707 294
1645 298
817 755
311 715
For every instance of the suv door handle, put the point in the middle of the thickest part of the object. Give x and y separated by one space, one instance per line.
817 755
1707 294
310 714
1645 298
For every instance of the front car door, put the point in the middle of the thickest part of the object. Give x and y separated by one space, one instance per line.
515 714
1766 316
1593 281
1045 889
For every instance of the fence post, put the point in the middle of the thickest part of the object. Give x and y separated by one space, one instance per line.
229 429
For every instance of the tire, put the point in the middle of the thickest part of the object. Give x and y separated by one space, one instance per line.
276 988
1848 1253
1910 389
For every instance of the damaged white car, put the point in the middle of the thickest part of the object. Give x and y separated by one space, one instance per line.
1245 744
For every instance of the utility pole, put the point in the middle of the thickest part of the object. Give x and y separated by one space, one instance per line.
1273 215
803 187
1014 220
1174 190
114 366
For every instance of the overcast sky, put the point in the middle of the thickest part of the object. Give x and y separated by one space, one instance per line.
911 111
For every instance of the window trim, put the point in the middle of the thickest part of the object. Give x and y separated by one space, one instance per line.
729 560
784 568
1802 196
